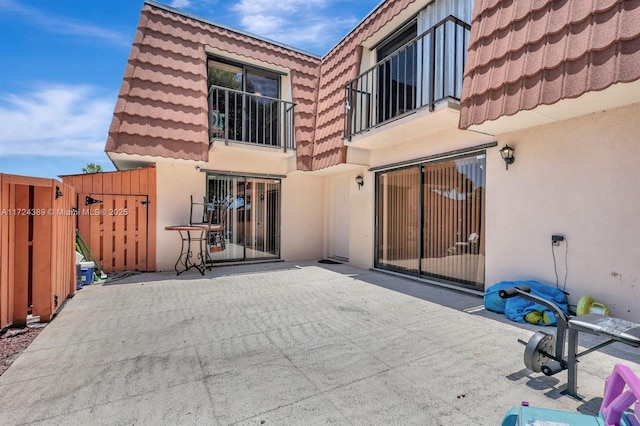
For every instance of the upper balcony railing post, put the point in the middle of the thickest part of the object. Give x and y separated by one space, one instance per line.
409 78
432 72
291 128
347 109
226 117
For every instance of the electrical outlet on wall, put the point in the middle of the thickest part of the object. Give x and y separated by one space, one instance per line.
556 239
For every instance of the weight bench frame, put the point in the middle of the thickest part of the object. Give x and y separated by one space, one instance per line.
614 329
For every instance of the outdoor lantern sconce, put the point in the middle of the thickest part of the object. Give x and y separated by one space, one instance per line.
58 192
507 155
359 181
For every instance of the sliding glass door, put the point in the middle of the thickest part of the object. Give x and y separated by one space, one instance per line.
250 108
248 212
430 220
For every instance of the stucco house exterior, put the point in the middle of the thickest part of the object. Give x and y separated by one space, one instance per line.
385 152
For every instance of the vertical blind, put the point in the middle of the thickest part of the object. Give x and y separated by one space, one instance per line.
249 210
398 219
439 205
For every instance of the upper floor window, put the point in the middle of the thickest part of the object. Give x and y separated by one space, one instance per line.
397 76
397 40
419 65
243 78
245 105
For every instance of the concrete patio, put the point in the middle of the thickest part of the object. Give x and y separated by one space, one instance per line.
283 343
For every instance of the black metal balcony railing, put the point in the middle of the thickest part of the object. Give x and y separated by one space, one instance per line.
423 72
250 118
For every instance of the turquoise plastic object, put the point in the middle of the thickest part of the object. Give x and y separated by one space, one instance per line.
621 392
532 416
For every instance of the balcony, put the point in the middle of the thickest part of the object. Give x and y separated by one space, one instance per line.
251 119
419 75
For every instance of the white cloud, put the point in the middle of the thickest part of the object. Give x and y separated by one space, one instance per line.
251 7
180 4
309 23
63 25
55 120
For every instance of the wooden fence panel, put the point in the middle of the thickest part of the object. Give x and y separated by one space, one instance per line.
119 241
5 295
42 256
148 186
37 270
21 244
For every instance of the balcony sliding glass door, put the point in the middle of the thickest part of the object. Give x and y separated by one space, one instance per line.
250 110
430 220
397 75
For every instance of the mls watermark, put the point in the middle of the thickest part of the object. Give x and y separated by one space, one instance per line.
64 212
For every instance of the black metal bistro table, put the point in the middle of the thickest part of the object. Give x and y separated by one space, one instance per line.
193 235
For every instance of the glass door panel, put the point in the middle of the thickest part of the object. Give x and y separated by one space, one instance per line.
398 228
397 75
226 106
226 194
263 223
248 210
262 115
453 232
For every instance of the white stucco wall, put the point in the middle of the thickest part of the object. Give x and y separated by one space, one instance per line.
356 220
302 202
361 229
176 181
579 179
302 216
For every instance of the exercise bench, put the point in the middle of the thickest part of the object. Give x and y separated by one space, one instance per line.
546 353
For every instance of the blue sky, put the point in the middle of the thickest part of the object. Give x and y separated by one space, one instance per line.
62 62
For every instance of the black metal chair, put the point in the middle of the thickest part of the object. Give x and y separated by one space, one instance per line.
213 216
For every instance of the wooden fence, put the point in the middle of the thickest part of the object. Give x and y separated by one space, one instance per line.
37 247
117 217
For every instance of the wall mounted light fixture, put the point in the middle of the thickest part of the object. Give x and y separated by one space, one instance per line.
58 192
359 181
507 155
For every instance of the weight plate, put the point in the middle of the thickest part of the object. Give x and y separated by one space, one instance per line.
539 342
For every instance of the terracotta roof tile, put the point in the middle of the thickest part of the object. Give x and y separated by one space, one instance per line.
629 60
170 61
160 76
553 79
555 49
158 147
339 66
558 17
162 129
159 111
162 106
169 95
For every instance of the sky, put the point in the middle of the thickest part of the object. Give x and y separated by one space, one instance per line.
62 63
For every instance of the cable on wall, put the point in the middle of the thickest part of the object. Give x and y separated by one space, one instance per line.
554 244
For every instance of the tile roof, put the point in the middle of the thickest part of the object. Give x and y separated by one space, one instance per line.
523 54
162 104
339 66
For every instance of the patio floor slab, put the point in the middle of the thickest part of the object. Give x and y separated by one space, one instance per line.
284 343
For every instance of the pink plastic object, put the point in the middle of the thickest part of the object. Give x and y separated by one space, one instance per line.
616 399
